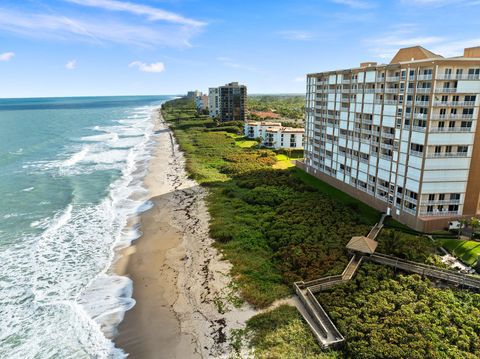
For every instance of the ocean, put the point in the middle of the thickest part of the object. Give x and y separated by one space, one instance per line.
71 173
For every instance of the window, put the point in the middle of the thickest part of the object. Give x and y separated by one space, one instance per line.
441 124
416 147
466 124
459 72
470 98
438 149
467 111
441 197
453 208
431 197
429 209
444 98
451 124
462 149
448 149
443 111
455 98
455 196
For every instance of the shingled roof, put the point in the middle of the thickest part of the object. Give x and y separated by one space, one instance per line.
362 244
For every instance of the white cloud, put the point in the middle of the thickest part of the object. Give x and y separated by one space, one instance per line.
150 12
71 65
7 56
152 67
355 4
297 35
95 30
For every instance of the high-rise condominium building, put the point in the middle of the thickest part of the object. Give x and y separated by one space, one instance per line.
228 102
402 137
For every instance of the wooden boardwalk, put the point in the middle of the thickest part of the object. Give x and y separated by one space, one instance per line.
459 279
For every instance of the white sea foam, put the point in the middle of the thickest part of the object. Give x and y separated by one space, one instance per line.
65 302
28 189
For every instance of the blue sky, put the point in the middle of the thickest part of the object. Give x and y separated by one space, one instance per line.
117 47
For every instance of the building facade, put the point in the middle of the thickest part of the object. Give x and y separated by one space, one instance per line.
213 102
228 103
402 137
274 135
201 102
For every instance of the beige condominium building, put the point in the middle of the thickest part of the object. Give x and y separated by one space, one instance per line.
402 137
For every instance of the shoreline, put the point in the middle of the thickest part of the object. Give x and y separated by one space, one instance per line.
180 284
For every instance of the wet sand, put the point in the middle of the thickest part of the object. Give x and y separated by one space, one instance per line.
178 277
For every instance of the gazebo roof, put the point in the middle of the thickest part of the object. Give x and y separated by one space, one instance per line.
362 244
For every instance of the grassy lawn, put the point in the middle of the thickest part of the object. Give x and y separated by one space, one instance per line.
283 162
467 251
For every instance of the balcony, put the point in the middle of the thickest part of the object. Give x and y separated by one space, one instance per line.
388 135
416 153
451 116
446 90
438 213
450 129
458 77
424 90
369 90
443 202
346 81
393 78
391 90
424 77
455 103
420 116
448 155
379 90
422 103
410 210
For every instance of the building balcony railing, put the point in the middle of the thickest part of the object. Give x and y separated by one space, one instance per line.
416 153
379 90
393 78
451 116
423 90
454 103
422 103
458 77
446 90
390 102
388 135
410 90
391 90
386 157
447 155
424 77
441 202
420 116
410 210
438 213
369 90
450 129
346 81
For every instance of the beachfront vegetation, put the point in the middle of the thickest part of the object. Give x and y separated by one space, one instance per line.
286 106
279 225
403 316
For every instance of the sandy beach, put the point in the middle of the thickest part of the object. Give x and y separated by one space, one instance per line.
180 283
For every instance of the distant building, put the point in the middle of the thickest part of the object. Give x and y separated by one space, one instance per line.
274 135
201 102
228 102
213 102
193 94
402 137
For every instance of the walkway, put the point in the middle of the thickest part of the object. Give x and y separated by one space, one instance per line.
463 280
318 320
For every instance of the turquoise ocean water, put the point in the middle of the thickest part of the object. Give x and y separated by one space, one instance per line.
71 174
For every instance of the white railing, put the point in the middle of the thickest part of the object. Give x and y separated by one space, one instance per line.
447 155
421 103
409 210
450 129
416 153
450 116
446 201
420 116
438 213
424 89
393 78
369 90
388 135
445 90
391 90
424 77
454 103
458 77
379 90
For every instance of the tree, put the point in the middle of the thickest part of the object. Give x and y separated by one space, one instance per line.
474 223
463 224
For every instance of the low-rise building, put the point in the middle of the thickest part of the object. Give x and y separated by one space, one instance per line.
193 94
274 135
